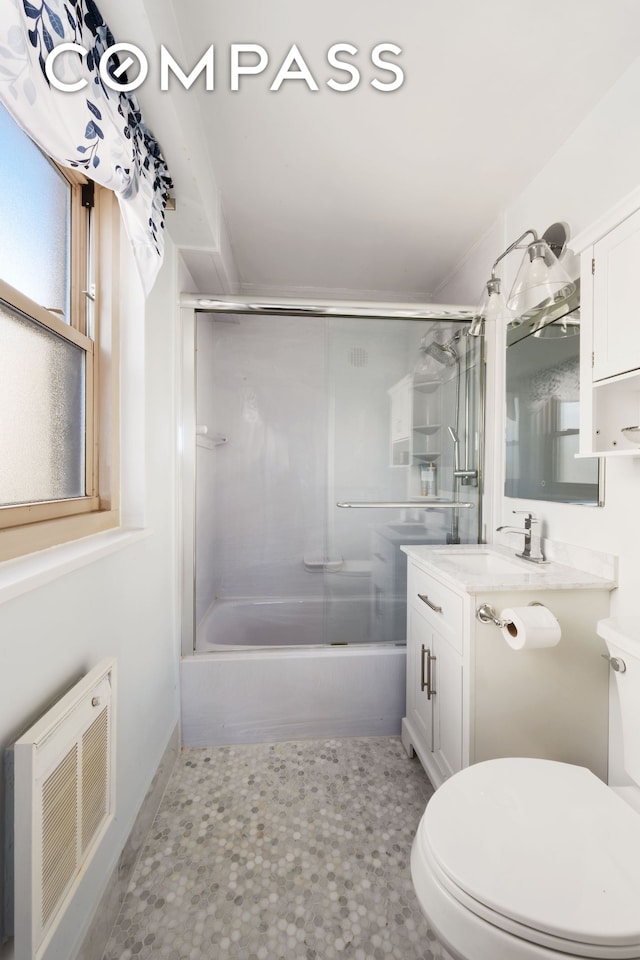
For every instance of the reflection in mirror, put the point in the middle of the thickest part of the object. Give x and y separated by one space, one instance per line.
542 416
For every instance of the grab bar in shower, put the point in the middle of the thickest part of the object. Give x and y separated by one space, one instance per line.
400 504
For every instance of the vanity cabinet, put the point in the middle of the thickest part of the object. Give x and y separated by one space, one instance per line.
610 335
435 671
471 697
434 693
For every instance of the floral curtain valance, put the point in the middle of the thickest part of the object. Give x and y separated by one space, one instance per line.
96 130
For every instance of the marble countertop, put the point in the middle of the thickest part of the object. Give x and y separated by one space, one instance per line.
448 564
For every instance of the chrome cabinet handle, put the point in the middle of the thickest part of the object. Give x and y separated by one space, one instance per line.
428 683
429 603
430 689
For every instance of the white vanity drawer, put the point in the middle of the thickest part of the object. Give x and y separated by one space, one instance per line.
439 604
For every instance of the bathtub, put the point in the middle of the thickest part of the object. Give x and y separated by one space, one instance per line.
283 622
265 670
266 695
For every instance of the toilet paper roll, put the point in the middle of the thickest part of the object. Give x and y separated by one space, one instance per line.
530 627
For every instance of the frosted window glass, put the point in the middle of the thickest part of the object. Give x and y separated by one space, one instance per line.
42 423
35 204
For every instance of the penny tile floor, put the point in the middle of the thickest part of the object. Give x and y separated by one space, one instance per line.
285 851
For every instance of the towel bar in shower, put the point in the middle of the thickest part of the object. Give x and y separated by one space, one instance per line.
400 504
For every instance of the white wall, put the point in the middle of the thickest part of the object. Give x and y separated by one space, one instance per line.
598 165
122 605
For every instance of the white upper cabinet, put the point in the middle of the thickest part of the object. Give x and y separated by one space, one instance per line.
616 300
610 332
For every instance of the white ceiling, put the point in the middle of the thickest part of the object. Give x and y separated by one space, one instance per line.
368 193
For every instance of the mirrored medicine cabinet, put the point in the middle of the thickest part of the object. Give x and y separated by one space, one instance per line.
542 410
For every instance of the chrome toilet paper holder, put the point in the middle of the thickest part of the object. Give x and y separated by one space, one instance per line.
487 614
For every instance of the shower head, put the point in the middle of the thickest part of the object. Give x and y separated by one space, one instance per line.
442 352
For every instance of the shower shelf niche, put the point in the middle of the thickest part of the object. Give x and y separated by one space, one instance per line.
415 417
425 386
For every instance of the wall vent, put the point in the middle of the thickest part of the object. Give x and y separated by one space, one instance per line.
358 357
64 801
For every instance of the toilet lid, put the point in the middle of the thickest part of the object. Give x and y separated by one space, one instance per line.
542 844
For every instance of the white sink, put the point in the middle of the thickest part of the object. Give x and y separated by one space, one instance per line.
482 561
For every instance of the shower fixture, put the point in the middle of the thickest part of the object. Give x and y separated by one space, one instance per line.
466 476
455 352
541 281
444 353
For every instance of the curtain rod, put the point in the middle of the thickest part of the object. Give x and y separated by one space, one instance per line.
327 308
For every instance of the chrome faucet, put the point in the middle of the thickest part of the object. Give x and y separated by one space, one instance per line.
532 549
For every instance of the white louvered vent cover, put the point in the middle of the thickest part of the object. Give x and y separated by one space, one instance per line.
64 802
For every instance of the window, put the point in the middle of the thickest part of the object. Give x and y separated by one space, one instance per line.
50 391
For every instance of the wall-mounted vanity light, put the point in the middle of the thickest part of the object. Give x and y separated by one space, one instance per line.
541 281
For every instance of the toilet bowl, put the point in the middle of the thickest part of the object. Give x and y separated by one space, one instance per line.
529 859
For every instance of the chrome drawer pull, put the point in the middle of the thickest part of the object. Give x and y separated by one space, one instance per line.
430 690
428 682
425 599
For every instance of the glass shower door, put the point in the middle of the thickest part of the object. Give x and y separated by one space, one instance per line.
260 480
403 412
296 415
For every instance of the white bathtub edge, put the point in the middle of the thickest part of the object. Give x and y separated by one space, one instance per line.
250 697
296 653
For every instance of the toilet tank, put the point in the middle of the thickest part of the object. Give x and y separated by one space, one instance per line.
622 637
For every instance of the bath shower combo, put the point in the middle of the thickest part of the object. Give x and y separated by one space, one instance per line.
279 570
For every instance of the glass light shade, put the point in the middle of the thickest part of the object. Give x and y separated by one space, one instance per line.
559 330
541 281
492 307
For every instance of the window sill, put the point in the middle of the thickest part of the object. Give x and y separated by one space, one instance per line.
29 572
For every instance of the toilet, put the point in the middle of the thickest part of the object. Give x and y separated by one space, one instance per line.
528 859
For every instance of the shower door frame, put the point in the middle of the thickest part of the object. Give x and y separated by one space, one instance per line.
190 304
